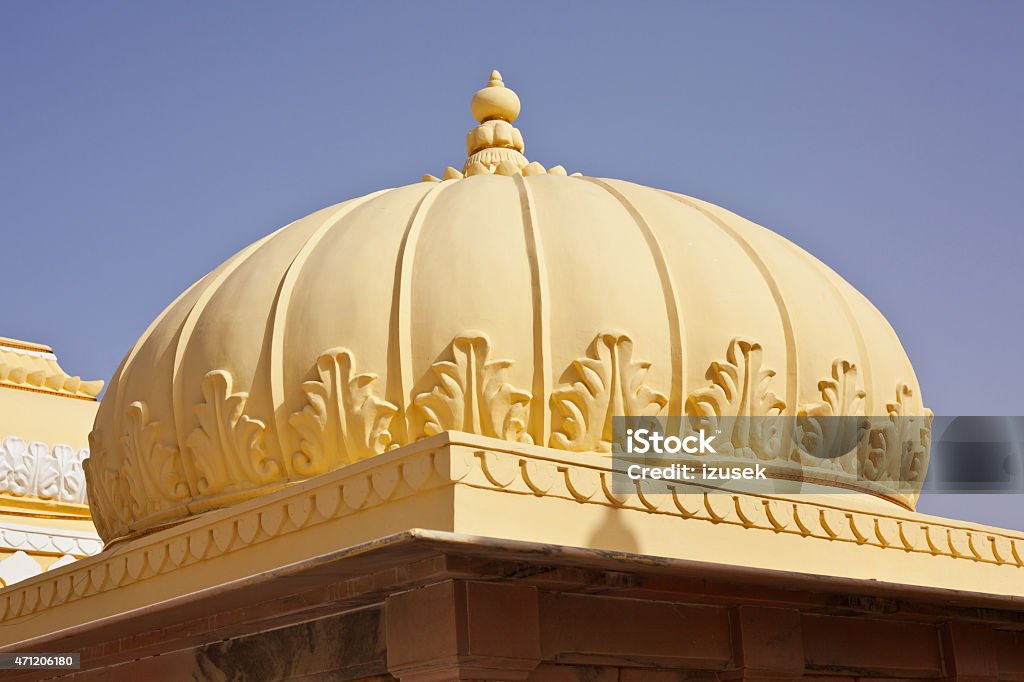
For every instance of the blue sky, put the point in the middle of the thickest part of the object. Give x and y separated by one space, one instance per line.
143 143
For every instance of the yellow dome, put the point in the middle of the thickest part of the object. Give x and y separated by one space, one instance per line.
523 305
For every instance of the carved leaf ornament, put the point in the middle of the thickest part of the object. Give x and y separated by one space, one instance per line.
831 431
470 393
898 444
344 421
739 391
606 383
153 468
35 470
227 446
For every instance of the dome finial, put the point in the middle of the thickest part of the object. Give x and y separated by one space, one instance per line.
495 101
494 140
494 146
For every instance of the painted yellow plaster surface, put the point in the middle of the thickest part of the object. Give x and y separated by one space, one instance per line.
46 418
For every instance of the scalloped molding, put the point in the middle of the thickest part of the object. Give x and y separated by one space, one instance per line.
21 566
17 536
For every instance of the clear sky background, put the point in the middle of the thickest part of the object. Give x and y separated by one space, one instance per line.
141 143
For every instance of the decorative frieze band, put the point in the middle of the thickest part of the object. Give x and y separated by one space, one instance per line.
142 477
35 469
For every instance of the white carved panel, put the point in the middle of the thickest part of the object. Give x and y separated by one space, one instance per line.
35 470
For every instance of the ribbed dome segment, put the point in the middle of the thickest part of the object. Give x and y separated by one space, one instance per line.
523 308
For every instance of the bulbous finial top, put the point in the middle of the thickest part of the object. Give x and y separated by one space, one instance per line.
494 146
495 102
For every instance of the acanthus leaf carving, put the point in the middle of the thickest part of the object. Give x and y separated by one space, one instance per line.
35 470
47 479
71 480
19 463
898 444
227 445
606 383
153 468
831 431
914 463
344 421
107 489
470 393
735 402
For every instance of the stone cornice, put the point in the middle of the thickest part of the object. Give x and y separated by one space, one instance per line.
35 368
482 486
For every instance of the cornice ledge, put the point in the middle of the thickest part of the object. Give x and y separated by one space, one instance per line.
31 367
587 478
525 475
420 467
459 459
